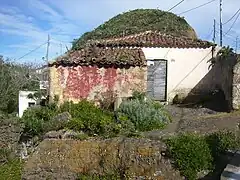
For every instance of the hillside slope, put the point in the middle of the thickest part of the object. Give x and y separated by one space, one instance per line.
137 21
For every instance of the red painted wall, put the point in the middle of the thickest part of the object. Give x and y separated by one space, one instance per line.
86 81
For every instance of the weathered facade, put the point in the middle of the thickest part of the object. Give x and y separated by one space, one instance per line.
113 72
161 65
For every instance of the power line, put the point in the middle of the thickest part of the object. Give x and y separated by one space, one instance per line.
197 7
232 24
176 5
32 51
232 17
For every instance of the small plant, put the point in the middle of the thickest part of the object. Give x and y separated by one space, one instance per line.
146 115
222 141
11 170
87 117
191 154
138 95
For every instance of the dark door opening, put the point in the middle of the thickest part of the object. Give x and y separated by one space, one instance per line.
157 80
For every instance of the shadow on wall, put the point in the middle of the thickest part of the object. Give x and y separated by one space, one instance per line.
214 91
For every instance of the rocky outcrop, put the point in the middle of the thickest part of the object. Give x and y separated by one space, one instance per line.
66 159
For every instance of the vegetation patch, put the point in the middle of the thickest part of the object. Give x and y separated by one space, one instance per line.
99 177
136 21
193 153
132 117
12 170
145 114
38 120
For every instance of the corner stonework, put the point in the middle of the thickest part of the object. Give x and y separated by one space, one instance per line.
236 87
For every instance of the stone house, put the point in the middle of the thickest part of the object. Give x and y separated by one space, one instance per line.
161 65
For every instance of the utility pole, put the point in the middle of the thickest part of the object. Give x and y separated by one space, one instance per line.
221 33
48 44
214 31
236 45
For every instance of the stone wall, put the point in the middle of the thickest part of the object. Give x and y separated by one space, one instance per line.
66 159
10 133
92 83
219 77
236 86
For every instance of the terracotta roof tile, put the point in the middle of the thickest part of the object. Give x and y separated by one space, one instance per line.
117 57
152 39
125 51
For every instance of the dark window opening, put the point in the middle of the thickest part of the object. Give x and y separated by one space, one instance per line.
30 104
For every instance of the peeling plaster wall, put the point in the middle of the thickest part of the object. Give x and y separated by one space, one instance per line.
91 82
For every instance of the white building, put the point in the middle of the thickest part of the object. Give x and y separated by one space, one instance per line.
176 67
25 102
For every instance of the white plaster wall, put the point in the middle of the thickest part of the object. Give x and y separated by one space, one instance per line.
23 101
186 67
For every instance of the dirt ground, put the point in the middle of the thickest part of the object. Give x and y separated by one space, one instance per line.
201 120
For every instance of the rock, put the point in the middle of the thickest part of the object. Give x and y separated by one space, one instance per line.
62 134
63 117
53 134
70 134
10 130
232 170
65 159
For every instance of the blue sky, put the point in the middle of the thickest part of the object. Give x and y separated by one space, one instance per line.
25 24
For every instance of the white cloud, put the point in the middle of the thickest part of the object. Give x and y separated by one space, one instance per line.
65 20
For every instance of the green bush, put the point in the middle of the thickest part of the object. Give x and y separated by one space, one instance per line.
191 154
145 115
87 117
37 120
222 141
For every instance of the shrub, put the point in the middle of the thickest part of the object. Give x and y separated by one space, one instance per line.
37 119
145 115
87 117
138 95
124 128
191 154
222 141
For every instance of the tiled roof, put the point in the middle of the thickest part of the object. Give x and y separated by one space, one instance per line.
152 39
102 57
125 51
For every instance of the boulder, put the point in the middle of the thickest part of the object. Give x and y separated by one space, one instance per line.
232 170
66 159
63 117
62 134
